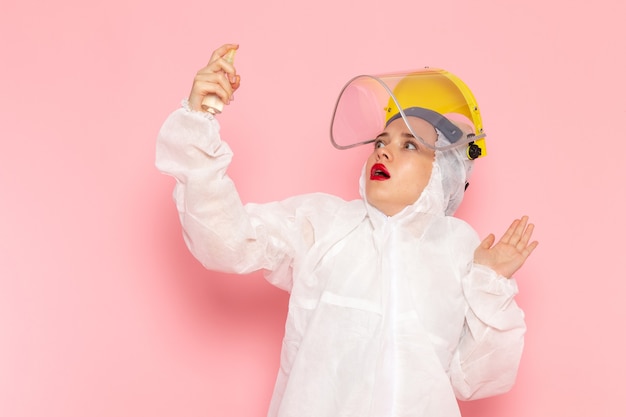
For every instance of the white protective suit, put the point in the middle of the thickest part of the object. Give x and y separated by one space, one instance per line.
388 316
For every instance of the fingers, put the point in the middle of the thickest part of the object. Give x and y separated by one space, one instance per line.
217 62
221 51
519 234
209 83
526 234
218 77
517 238
488 241
516 231
510 232
529 249
215 82
235 84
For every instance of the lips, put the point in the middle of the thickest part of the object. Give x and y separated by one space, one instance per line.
379 173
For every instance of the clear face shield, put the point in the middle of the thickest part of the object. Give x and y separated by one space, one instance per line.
367 104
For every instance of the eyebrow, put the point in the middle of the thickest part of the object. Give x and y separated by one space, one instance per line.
408 135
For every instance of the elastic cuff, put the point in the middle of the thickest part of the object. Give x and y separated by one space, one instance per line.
185 105
491 282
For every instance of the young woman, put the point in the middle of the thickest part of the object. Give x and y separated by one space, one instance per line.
396 307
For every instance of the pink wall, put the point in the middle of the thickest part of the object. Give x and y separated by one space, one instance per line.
104 313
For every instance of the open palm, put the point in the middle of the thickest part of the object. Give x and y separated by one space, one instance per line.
510 252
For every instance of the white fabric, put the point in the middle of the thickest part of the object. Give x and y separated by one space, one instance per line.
455 169
388 316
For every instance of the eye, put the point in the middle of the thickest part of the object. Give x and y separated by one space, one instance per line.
379 144
410 145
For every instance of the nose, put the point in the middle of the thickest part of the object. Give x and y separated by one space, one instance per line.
383 153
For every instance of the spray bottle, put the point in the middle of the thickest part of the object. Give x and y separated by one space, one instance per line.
212 103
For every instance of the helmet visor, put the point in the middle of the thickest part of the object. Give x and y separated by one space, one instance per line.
367 104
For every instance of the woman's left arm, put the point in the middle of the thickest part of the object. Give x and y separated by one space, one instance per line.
487 357
486 360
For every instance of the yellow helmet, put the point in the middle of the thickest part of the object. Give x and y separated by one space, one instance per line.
434 95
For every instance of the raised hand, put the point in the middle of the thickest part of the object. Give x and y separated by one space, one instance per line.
510 252
217 77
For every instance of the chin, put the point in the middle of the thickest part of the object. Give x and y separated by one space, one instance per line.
380 200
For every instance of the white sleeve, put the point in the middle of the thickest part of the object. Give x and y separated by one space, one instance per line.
486 360
221 232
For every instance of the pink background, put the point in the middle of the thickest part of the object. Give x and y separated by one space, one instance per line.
103 312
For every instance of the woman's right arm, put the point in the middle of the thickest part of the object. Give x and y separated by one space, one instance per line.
218 229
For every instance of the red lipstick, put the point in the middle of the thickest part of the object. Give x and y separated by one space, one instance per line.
379 173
